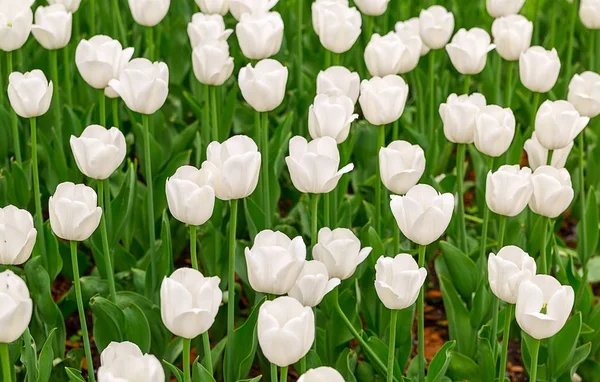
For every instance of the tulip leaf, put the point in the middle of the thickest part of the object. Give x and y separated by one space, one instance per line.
122 205
563 345
381 351
376 243
74 375
440 362
109 322
45 359
137 329
55 262
579 355
174 370
20 194
591 222
200 374
255 379
481 306
485 356
346 364
464 272
29 357
255 216
463 368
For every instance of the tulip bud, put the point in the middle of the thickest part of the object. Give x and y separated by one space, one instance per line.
494 130
16 307
99 152
30 93
508 190
100 60
337 81
512 36
210 7
552 191
537 155
589 12
584 93
507 270
260 35
321 374
17 235
125 362
409 29
149 12
263 86
189 302
468 50
337 25
436 25
391 54
314 165
206 28
543 306
143 85
557 124
241 7
190 195
16 20
313 284
372 7
459 116
52 28
423 214
71 5
331 116
382 99
74 211
340 251
286 330
211 63
499 8
539 69
398 281
401 166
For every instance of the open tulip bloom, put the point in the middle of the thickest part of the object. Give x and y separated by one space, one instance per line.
313 284
124 361
206 29
401 166
584 93
241 7
331 116
17 235
409 29
321 374
337 25
468 50
337 81
15 26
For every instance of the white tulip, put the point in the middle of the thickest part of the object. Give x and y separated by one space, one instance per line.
15 307
409 29
241 7
539 68
507 270
52 28
101 59
512 36
211 63
338 80
382 99
398 281
74 211
16 19
190 196
557 124
537 155
589 13
436 25
340 251
372 7
459 116
552 191
71 5
337 25
584 93
468 50
499 8
149 12
99 152
321 374
263 86
508 190
331 116
390 54
17 235
207 28
210 7
313 284
401 166
494 130
30 93
125 362
260 35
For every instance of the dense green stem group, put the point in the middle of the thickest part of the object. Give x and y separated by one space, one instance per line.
39 218
110 275
392 345
150 201
186 360
421 317
6 366
378 188
231 284
460 179
509 313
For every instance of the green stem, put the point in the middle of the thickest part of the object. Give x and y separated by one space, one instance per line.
214 113
378 202
421 318
284 373
592 49
115 112
186 359
6 366
273 372
368 28
116 12
496 302
81 311
553 23
499 80
303 364
509 82
509 313
549 158
536 24
467 84
39 218
14 122
501 231
150 200
534 351
266 167
2 87
231 285
92 13
336 59
102 108
392 345
299 47
460 179
110 276
327 59
193 240
582 201
571 33
207 354
535 104
431 92
150 42
67 74
396 239
486 221
326 204
543 255
314 209
56 96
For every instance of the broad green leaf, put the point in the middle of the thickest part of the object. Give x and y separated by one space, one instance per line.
174 370
200 374
45 359
563 345
109 322
464 272
463 368
29 357
255 379
137 329
440 362
346 364
74 375
485 357
591 222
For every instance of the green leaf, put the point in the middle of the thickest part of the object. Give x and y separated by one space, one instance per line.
74 375
174 370
29 357
200 374
464 271
122 205
591 222
255 379
463 368
440 362
346 364
376 243
137 329
20 195
109 322
381 351
46 358
485 356
579 355
255 216
563 345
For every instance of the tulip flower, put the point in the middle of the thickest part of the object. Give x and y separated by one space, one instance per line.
340 251
459 116
30 93
331 116
409 29
16 307
382 99
71 5
499 8
372 7
468 50
99 152
512 36
321 374
537 155
507 270
436 25
190 196
508 190
206 28
337 81
539 69
17 235
337 25
390 54
313 284
241 7
401 165
584 93
210 7
149 12
552 191
494 130
286 330
314 165
52 28
125 362
16 19
260 35
263 86
74 212
557 124
589 13
211 63
398 281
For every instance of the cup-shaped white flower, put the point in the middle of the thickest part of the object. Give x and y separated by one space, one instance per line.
71 5
314 165
210 7
274 262
211 62
494 130
263 86
382 99
149 12
16 19
468 50
207 28
398 281
499 8
390 54
337 25
409 29
260 35
125 362
512 36
338 80
557 124
340 251
240 7
436 25
589 13
286 330
17 235
539 68
30 93
99 152
459 116
508 190
507 270
74 211
423 214
101 59
52 28
143 85
372 7
401 166
584 93
16 307
321 374
537 155
234 165
543 306
313 284
331 116
190 196
552 191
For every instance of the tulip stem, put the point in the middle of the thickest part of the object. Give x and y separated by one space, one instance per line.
56 97
207 354
13 116
421 317
92 13
273 372
571 32
193 240
102 109
39 218
460 179
81 311
582 201
266 168
6 366
534 107
118 26
231 286
535 349
549 158
536 32
115 112
486 222
378 201
303 359
299 47
212 90
67 74
326 206
467 84
495 300
509 313
501 231
284 373
186 359
150 200
392 345
543 255
315 219
431 93
510 84
150 42
110 277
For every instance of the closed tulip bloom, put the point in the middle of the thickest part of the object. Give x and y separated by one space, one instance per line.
539 68
557 124
543 306
52 28
313 284
71 5
508 190
390 54
74 211
507 270
372 7
423 214
331 116
436 26
189 302
338 26
29 93
149 12
16 307
512 36
241 7
99 152
17 235
286 330
584 93
589 12
401 166
263 86
210 7
260 35
338 80
206 28
468 50
16 20
499 8
211 63
234 165
552 191
382 99
321 374
314 165
125 362
340 251
101 59
494 130
274 262
537 155
190 196
459 116
409 29
398 281
143 85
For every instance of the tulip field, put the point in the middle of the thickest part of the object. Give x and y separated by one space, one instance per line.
299 190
